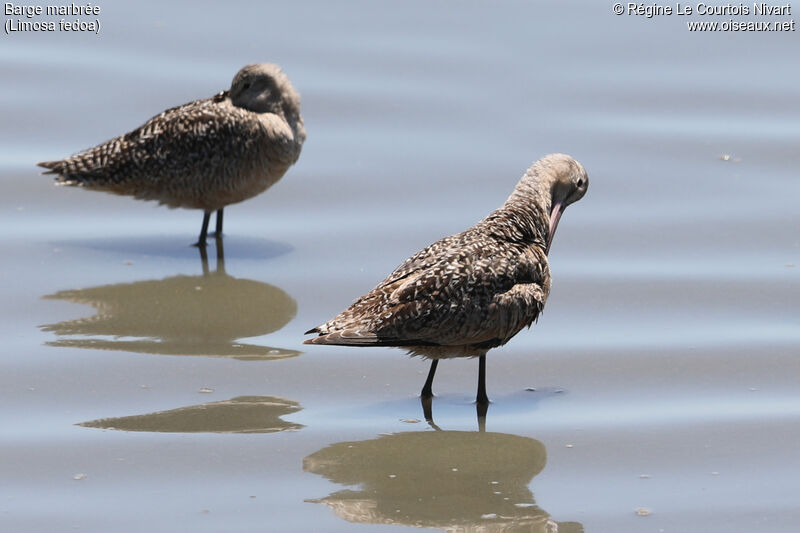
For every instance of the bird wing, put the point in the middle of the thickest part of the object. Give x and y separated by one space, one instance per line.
460 290
195 137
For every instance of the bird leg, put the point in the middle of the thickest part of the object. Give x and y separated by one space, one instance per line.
218 232
201 241
482 398
427 389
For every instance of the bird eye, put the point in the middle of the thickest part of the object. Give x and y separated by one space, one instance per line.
245 85
580 182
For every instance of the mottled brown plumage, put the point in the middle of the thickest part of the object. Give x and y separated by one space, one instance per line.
470 292
202 155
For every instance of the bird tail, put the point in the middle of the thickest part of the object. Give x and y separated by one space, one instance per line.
355 337
64 173
53 167
345 337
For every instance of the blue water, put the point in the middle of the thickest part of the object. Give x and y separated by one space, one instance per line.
668 349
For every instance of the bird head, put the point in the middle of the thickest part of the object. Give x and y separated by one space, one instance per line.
264 88
568 183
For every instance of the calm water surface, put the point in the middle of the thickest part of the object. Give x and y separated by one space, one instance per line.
145 389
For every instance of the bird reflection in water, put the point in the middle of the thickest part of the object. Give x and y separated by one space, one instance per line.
244 414
449 480
180 315
427 412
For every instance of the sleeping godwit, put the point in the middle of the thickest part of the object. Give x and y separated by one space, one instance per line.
202 155
468 293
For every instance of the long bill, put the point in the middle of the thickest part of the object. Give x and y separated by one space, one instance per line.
555 215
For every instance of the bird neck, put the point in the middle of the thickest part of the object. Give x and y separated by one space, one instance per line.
525 216
288 109
295 122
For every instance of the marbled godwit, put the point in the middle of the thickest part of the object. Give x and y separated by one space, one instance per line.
202 155
470 292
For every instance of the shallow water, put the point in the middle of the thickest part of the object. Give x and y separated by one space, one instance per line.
145 389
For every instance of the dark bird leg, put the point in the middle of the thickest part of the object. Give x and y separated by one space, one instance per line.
482 397
427 396
218 232
201 241
482 401
427 389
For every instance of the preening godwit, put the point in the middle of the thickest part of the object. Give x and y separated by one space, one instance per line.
468 293
202 155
